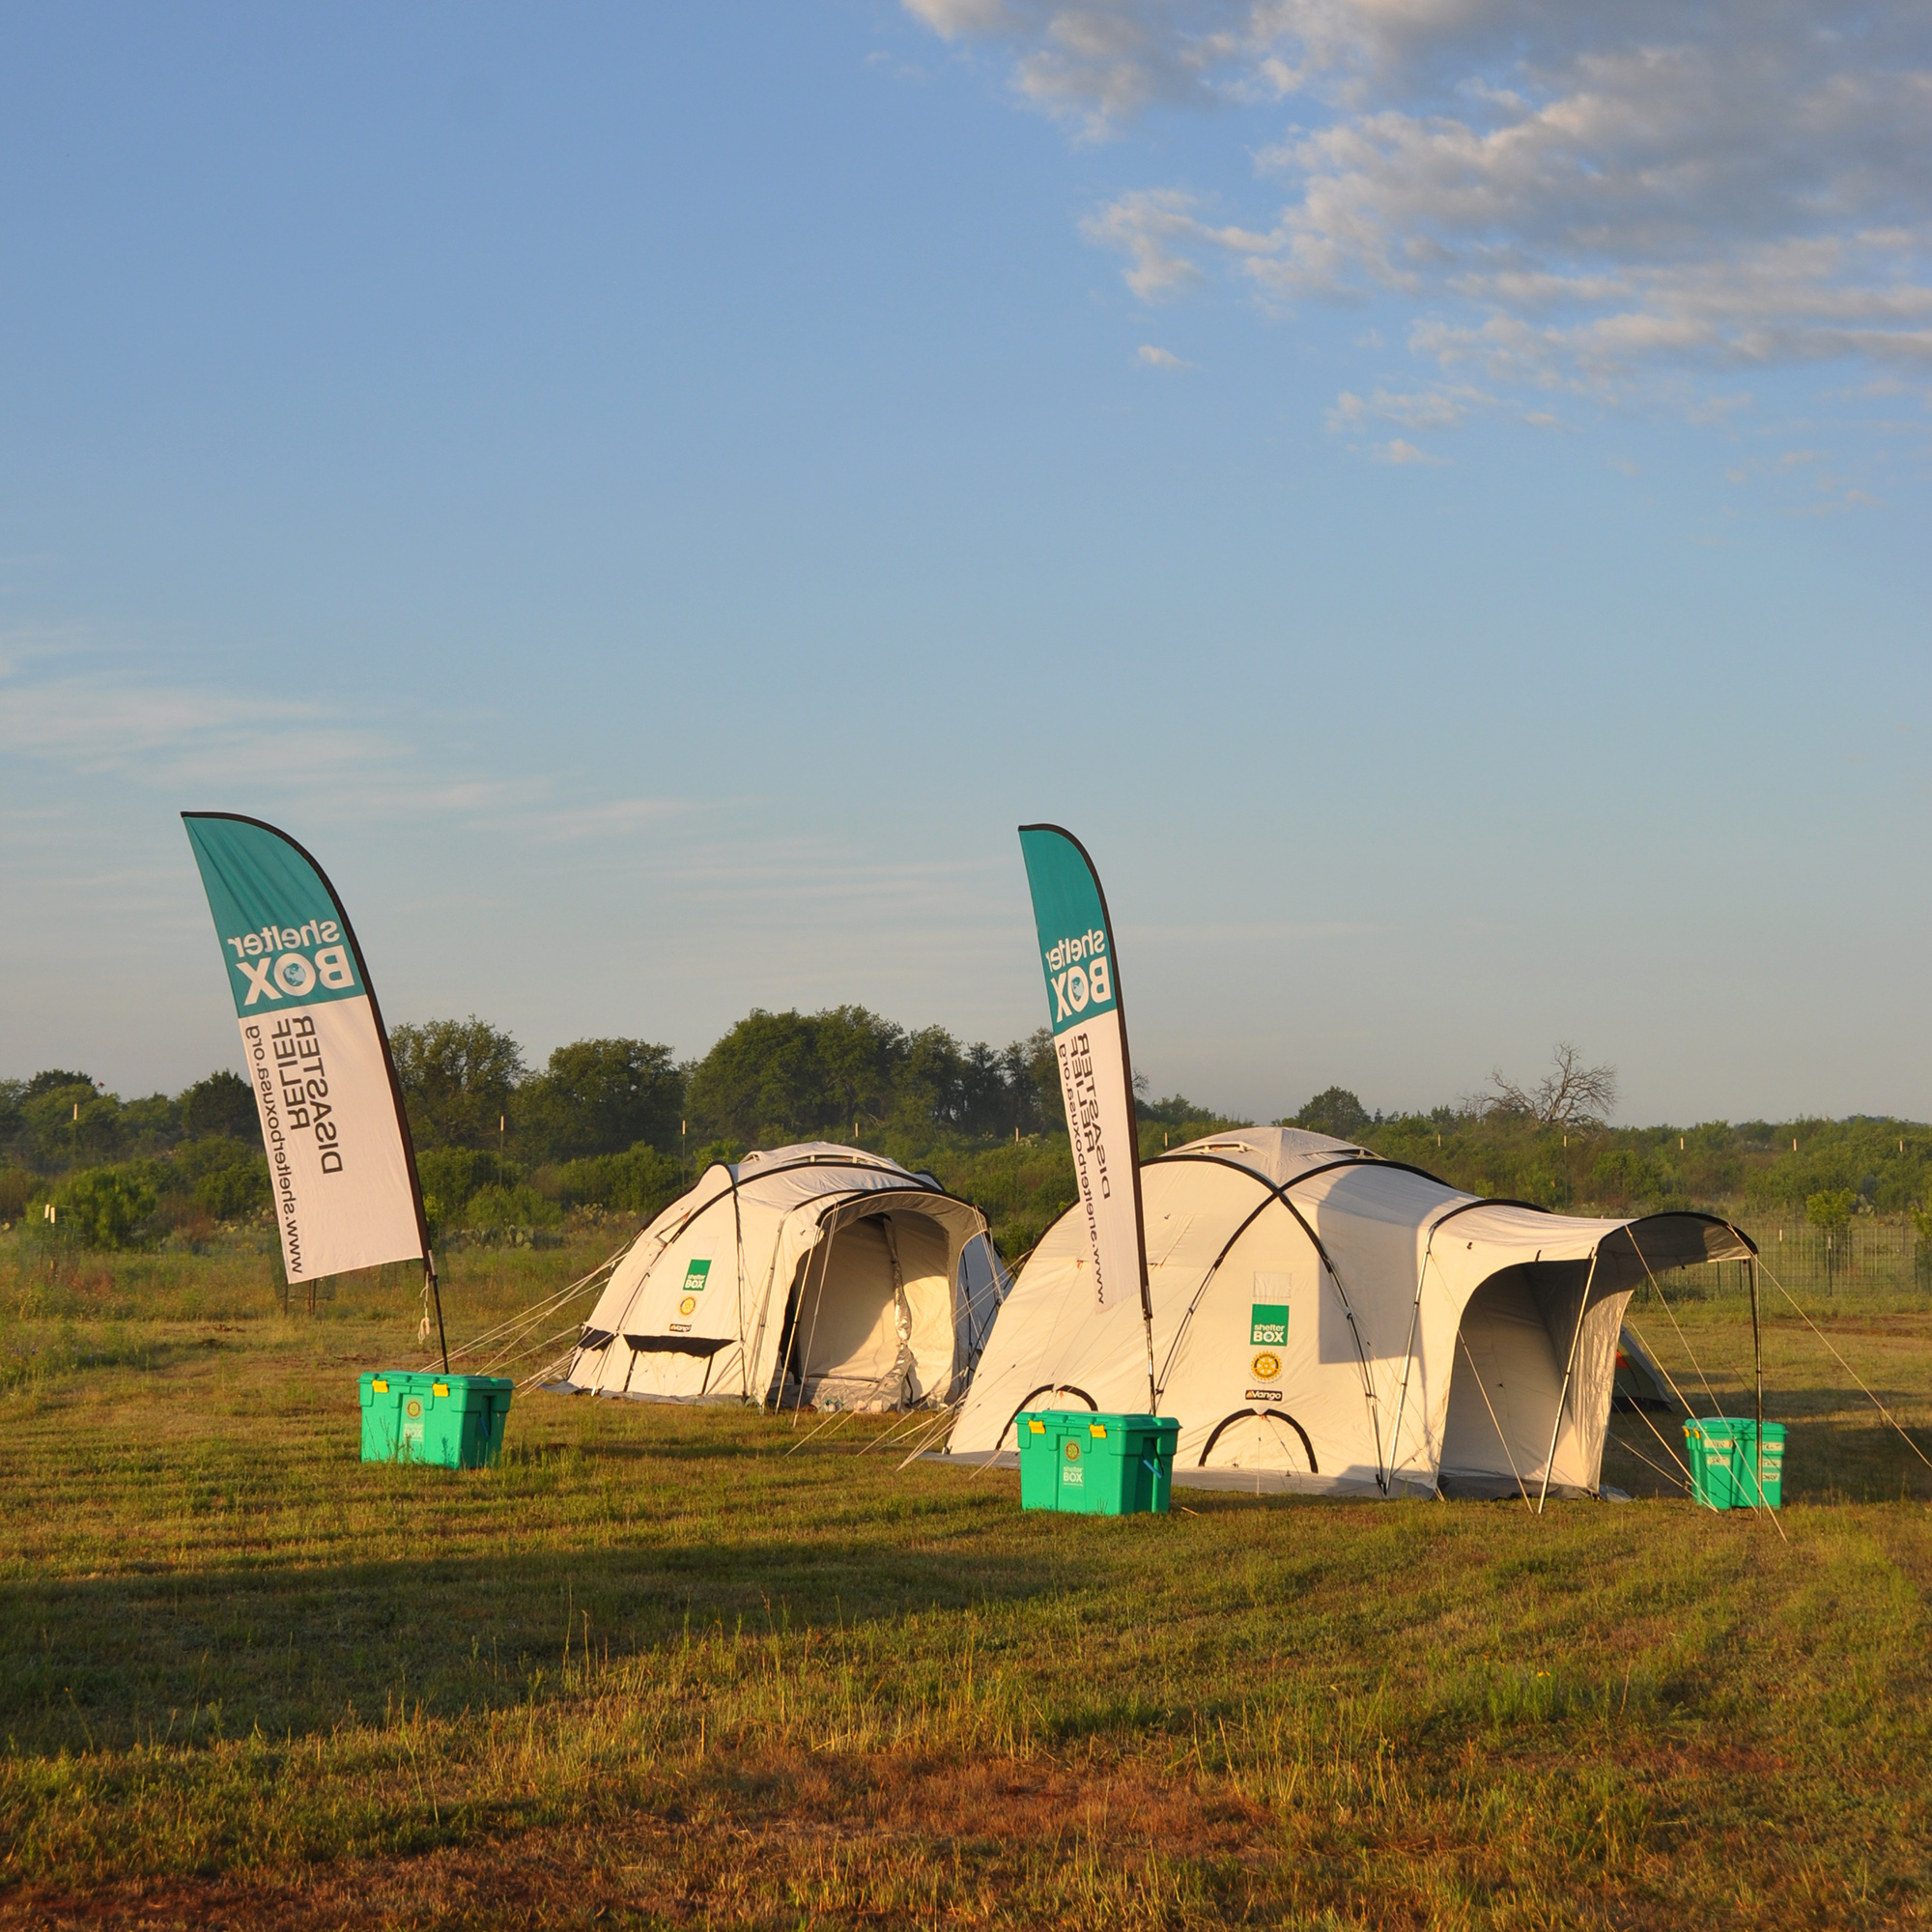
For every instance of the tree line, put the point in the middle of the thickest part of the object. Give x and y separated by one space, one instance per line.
623 1124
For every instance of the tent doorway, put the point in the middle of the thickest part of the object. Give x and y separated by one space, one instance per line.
854 1309
1507 1383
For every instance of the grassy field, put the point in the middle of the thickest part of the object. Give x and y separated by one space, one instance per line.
657 1670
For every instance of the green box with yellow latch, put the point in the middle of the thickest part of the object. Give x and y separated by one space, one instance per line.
1096 1464
1726 1457
455 1422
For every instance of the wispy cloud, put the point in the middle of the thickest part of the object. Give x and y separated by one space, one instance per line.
1570 199
1403 453
203 745
615 817
1160 359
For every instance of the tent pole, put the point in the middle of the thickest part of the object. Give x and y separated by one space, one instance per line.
436 1296
1757 1369
1576 1335
798 1407
1408 1354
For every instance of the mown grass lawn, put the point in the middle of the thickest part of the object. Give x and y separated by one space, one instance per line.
657 1670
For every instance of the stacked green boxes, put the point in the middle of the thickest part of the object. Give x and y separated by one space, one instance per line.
454 1421
1724 1456
1094 1464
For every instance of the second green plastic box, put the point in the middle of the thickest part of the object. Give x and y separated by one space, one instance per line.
1723 1451
454 1421
1096 1464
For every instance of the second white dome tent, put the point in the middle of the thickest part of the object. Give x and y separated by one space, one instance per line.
1327 1320
804 1276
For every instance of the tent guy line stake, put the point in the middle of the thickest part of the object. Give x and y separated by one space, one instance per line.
1717 1407
1850 1371
836 1420
537 1310
516 1340
1661 1369
1668 1450
1759 1503
1631 1449
1687 1411
932 1435
909 1424
1569 1368
501 1361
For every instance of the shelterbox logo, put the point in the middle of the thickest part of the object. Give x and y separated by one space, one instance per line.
1078 972
278 962
1267 1324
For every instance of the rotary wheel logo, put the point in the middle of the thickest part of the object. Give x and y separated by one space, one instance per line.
1267 1367
416 1408
689 1303
1073 1452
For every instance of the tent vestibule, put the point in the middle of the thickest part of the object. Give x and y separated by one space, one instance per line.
808 1275
1328 1320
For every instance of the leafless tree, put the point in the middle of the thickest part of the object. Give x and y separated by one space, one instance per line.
1570 1094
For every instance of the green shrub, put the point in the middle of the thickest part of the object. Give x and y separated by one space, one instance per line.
104 1204
225 1178
642 1181
452 1175
1623 1174
1832 1209
227 1193
494 1208
16 1189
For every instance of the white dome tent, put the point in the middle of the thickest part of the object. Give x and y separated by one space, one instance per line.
814 1276
1327 1320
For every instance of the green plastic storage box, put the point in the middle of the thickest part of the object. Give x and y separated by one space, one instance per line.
454 1421
1094 1464
1723 1455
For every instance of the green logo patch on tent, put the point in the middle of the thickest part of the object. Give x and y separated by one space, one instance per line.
1268 1321
696 1275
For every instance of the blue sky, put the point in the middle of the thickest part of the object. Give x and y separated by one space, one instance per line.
653 497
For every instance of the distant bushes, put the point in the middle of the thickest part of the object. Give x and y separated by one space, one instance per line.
472 1190
1886 1164
138 1203
498 1209
104 1204
621 1125
17 1186
640 1182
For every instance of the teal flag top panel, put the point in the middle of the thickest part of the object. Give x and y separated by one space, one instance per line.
283 938
1076 949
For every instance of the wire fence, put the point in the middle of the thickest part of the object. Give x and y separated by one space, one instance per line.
1876 1254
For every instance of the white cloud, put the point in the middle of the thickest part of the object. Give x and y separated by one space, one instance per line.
615 817
1399 452
1444 407
1573 199
1160 359
207 747
1097 65
1156 229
